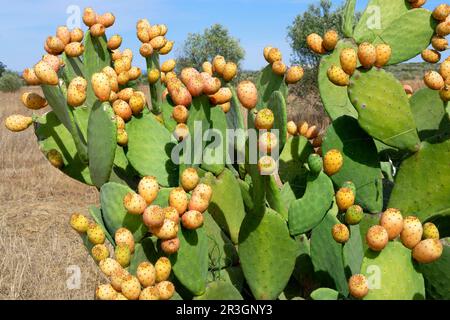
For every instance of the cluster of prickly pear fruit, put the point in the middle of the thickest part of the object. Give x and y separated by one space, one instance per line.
235 229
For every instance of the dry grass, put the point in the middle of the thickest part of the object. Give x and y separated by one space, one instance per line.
36 241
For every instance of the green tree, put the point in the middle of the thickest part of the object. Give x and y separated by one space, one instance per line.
201 47
10 81
2 68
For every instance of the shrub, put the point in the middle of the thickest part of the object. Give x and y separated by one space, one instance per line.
10 82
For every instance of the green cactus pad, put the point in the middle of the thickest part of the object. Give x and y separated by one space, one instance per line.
235 119
199 113
348 18
326 255
96 214
166 111
275 199
392 275
190 263
334 98
325 294
422 185
96 56
361 164
227 205
115 215
353 251
52 134
408 35
156 89
295 153
73 67
220 290
144 251
277 104
233 275
217 149
149 150
377 17
307 212
294 190
267 254
221 250
368 221
383 108
437 277
246 195
267 83
102 135
304 269
429 113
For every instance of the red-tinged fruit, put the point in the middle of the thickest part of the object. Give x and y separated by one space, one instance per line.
377 238
340 233
392 221
412 232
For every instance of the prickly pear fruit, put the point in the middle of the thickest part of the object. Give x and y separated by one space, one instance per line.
55 45
383 54
123 78
427 251
417 3
412 232
137 103
434 80
55 158
149 293
153 217
53 61
431 56
89 17
171 214
101 86
349 60
76 92
167 47
315 163
45 73
219 64
350 185
107 19
312 133
207 67
167 231
154 31
122 109
33 101
345 198
230 71
180 95
146 274
338 76
63 33
195 85
332 162
330 40
180 114
211 85
267 142
315 43
377 238
264 119
279 68
354 215
109 266
303 128
30 77
124 236
439 43
122 137
148 188
291 128
76 35
97 30
100 252
192 220
146 50
105 292
266 165
266 52
222 96
201 196
170 246
430 231
95 234
124 94
123 255
189 179
118 277
168 65
340 233
166 290
247 94
274 55
444 69
225 106
181 132
74 49
142 34
358 286
79 223
294 74
367 55
163 268
441 12
158 43
114 42
178 199
443 28
444 93
392 221
134 203
131 288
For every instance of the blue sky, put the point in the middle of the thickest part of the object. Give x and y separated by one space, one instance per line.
25 24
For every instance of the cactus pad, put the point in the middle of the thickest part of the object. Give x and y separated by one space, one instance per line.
349 18
324 294
353 251
383 108
73 67
217 149
220 290
294 155
267 83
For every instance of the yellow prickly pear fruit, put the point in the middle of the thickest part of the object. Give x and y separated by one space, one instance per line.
264 119
207 67
131 288
55 44
294 74
99 252
109 266
143 23
76 92
412 232
441 12
225 107
55 158
192 220
107 19
149 293
178 199
148 188
120 123
168 65
74 49
292 128
146 274
118 277
76 35
158 42
377 238
439 43
274 55
303 128
431 56
166 48
163 29
101 86
444 93
383 54
219 64
163 268
105 292
33 101
123 255
154 31
30 77
134 203
122 109
427 251
114 42
315 43
430 231
230 71
180 114
170 246
345 198
279 68
17 122
434 80
124 236
340 233
79 223
222 96
123 78
247 94
153 76
189 179
266 52
417 3
367 55
444 69
125 94
146 50
137 104
142 34
443 28
134 73
338 76
89 17
167 231
63 33
358 286
266 165
330 40
211 85
95 234
166 290
153 217
97 30
53 61
392 221
46 74
332 162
